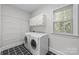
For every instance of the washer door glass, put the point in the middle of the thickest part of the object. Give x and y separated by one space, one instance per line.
33 44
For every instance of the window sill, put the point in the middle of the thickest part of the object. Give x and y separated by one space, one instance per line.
67 34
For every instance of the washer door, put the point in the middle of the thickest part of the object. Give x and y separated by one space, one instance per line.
33 44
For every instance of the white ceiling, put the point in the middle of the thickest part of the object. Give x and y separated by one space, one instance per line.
28 7
33 7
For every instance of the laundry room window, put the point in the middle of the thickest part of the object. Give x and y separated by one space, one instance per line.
63 18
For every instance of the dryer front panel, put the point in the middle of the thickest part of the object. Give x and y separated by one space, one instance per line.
34 45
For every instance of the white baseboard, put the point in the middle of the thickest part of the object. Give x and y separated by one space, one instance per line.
10 45
56 51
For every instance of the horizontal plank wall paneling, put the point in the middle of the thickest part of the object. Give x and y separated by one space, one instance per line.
14 12
15 25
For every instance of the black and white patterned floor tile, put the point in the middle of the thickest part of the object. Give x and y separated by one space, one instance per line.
20 50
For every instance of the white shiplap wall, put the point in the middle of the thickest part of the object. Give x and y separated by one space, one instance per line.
14 25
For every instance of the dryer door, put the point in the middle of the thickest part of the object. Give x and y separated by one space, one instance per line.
33 44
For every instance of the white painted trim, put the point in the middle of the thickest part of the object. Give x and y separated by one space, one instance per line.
56 51
75 20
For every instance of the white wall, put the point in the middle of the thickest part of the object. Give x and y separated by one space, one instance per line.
14 25
0 25
60 44
48 11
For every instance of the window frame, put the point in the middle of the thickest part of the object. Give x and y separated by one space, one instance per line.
71 21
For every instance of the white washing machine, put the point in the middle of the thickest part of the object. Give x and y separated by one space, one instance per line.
27 40
38 44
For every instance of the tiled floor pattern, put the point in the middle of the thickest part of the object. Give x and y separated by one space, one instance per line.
20 50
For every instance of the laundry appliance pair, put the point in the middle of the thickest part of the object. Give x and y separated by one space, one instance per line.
36 43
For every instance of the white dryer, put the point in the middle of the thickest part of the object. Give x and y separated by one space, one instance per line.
39 44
